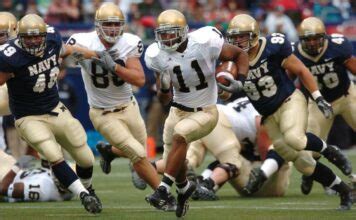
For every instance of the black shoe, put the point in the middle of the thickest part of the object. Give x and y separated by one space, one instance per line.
335 156
107 156
346 201
171 204
255 182
90 203
92 193
307 184
205 191
183 200
160 198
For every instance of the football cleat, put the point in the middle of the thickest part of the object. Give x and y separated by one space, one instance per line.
183 200
92 193
191 175
159 199
90 203
137 181
171 204
307 184
346 201
107 156
255 182
335 156
205 191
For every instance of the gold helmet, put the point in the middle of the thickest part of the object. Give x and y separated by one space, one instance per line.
312 35
32 32
240 27
109 22
171 30
8 24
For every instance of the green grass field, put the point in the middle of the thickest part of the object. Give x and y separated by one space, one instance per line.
122 201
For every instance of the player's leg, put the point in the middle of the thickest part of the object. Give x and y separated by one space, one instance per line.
113 127
143 167
292 119
262 174
348 107
195 157
37 133
224 146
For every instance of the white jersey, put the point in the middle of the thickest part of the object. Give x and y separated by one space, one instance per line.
106 90
193 71
241 114
39 186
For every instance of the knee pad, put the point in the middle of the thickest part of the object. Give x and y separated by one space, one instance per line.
296 141
75 133
231 170
305 163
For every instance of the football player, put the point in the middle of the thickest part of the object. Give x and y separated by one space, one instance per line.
30 185
240 123
328 59
114 111
8 24
282 106
187 61
29 65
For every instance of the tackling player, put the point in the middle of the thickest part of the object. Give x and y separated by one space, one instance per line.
29 65
282 106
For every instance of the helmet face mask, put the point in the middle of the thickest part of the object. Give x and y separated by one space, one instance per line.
4 36
34 44
312 35
32 33
314 44
110 31
8 25
109 22
172 30
170 37
241 40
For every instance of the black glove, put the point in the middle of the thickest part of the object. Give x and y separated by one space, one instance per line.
324 107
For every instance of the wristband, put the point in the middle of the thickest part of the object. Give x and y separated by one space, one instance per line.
316 94
241 77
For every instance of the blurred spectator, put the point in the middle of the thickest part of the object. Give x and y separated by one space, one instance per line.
326 11
32 8
42 6
63 11
344 6
89 9
278 22
16 7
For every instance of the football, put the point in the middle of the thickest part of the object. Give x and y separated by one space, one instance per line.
228 69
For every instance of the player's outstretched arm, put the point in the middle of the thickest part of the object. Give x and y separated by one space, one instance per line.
294 66
70 49
350 64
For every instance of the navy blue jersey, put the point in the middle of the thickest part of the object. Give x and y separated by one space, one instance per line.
267 84
32 90
328 68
